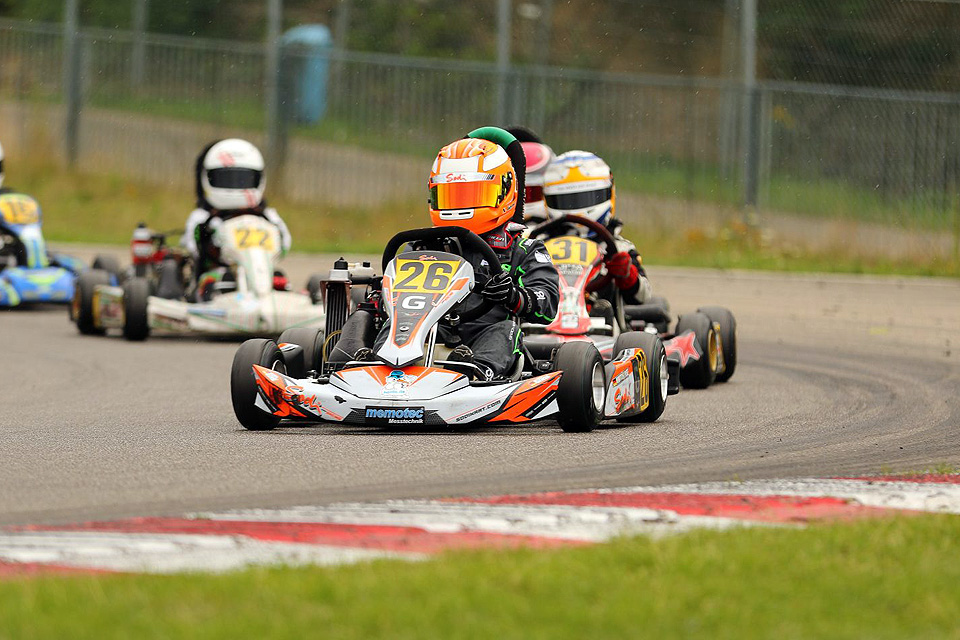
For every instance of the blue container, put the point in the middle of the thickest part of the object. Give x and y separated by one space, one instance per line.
305 71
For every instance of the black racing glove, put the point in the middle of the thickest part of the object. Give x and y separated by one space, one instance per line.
501 289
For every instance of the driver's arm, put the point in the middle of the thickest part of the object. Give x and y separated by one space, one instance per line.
540 282
285 239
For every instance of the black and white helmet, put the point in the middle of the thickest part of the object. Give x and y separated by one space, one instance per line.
231 175
1 165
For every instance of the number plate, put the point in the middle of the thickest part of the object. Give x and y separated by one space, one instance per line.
572 250
426 276
252 237
19 209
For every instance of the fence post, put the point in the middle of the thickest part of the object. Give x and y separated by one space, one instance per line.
750 143
275 130
71 79
138 57
504 27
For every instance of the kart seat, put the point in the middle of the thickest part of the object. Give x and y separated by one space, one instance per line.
649 313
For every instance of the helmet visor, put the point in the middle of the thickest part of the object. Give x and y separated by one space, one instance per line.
464 195
234 178
579 200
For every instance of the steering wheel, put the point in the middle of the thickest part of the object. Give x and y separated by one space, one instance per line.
551 227
464 239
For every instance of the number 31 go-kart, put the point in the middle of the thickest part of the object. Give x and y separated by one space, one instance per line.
703 344
28 274
242 298
423 288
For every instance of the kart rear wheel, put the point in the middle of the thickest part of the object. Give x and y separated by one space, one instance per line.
658 376
700 373
311 340
81 308
243 385
135 322
109 264
728 338
583 386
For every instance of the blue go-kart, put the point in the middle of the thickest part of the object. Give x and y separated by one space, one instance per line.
28 273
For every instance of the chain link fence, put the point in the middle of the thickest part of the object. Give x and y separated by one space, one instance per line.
838 163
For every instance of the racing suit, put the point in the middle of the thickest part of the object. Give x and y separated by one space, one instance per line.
495 336
201 224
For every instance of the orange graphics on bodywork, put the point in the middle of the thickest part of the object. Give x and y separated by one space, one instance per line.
288 401
529 398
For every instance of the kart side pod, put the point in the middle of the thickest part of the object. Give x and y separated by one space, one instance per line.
673 369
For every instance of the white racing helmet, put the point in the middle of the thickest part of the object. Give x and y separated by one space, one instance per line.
579 182
1 165
538 156
231 175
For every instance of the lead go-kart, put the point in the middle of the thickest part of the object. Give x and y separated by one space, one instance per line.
246 296
703 345
29 274
410 384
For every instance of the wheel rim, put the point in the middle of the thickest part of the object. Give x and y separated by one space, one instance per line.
712 348
279 366
664 376
597 386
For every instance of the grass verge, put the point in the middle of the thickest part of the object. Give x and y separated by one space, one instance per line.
105 209
889 578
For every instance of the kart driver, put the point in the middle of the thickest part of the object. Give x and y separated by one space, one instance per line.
477 183
538 157
581 183
230 182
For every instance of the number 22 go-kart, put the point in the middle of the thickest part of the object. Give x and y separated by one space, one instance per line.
703 344
409 384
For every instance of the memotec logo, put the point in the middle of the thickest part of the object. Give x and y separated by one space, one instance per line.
411 415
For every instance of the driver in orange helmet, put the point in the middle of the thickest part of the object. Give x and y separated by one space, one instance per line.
477 183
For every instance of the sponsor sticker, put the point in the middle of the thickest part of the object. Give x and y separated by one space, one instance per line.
390 415
396 383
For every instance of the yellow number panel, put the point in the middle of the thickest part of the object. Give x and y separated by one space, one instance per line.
424 276
19 209
572 250
251 237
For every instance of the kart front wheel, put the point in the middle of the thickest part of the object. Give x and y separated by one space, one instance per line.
109 264
658 376
583 386
135 322
243 384
728 338
699 373
82 310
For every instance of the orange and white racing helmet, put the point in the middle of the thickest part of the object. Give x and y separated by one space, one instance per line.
472 185
580 182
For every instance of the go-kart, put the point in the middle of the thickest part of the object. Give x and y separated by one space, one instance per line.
410 384
28 273
247 296
703 344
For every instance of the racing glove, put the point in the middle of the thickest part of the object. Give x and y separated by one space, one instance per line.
624 272
501 289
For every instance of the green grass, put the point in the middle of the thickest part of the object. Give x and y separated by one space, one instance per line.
105 209
891 578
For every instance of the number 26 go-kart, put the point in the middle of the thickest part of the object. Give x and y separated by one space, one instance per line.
703 344
242 298
409 384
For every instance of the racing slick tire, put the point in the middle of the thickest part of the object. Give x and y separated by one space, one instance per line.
243 385
81 308
314 288
311 341
728 338
583 386
109 264
657 373
135 322
699 373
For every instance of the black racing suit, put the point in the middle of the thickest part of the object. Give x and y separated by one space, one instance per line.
494 337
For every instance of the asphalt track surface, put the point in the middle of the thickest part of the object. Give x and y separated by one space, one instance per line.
837 375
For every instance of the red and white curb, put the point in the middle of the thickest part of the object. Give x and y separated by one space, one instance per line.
414 529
